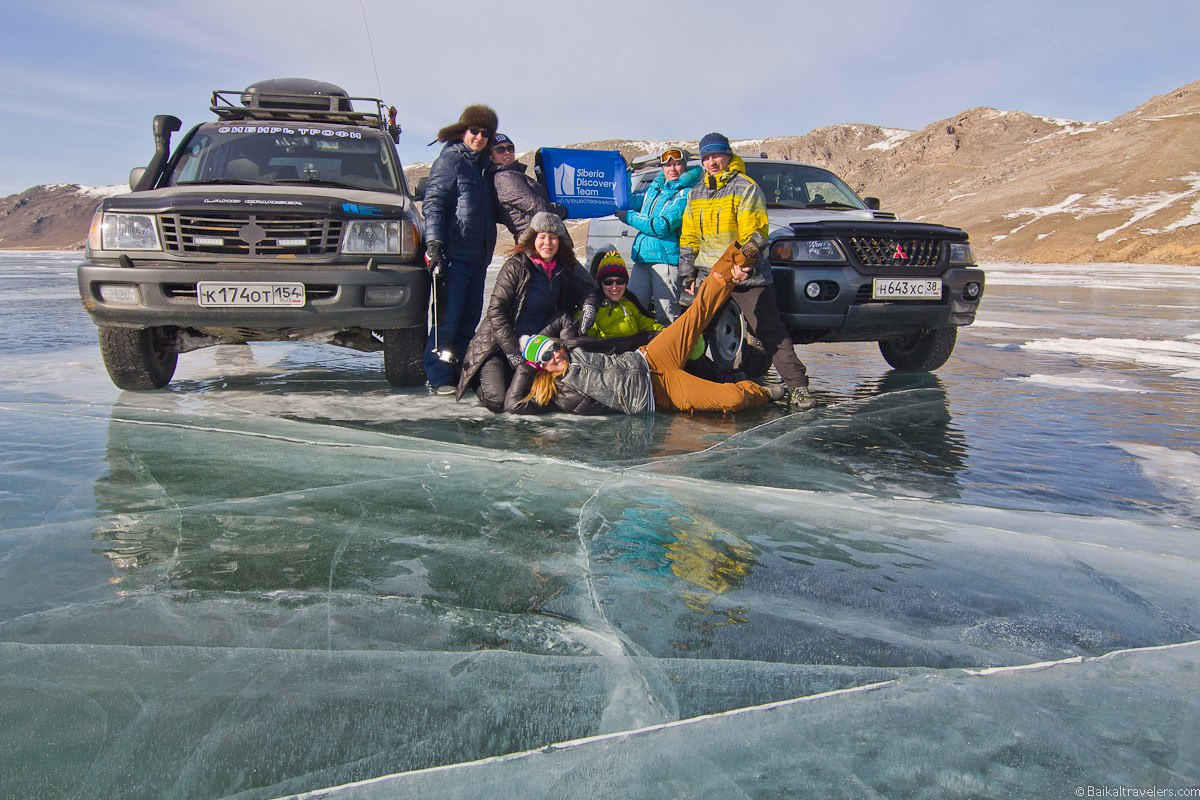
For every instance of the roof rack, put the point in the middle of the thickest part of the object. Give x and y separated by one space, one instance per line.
296 107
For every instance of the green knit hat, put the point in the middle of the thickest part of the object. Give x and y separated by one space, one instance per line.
538 349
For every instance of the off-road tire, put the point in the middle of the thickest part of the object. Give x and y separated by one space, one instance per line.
138 359
920 352
731 348
403 354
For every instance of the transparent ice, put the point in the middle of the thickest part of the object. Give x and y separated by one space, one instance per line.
278 576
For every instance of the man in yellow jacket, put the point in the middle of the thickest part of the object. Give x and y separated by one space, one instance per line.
727 206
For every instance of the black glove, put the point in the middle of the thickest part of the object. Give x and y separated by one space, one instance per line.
622 215
515 358
435 259
557 210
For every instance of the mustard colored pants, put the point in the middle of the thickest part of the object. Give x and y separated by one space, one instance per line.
678 390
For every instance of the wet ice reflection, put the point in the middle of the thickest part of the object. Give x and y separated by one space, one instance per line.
280 575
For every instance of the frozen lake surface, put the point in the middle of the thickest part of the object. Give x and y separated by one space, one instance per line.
279 576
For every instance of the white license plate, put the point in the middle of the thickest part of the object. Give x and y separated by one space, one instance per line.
213 294
906 289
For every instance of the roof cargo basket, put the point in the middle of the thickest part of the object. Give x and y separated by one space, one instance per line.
300 100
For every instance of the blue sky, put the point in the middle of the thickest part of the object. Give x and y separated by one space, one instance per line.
83 79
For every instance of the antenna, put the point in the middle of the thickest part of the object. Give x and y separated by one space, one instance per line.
371 46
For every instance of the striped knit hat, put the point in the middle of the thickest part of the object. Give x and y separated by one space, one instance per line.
611 264
537 349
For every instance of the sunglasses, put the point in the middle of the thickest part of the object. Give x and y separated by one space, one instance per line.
614 281
504 148
479 132
548 355
671 155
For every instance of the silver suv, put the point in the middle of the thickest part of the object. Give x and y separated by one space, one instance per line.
286 218
844 270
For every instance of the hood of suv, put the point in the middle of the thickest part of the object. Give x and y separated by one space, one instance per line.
782 218
293 197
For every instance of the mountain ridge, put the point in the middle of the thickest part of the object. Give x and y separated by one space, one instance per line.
1026 188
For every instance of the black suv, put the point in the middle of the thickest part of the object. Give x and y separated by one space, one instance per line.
844 270
288 218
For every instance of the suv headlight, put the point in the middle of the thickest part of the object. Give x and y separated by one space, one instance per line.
960 253
381 237
819 250
111 231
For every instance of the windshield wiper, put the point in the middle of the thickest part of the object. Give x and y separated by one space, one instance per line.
832 205
218 181
322 182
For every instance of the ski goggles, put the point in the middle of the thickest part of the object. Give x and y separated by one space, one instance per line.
671 155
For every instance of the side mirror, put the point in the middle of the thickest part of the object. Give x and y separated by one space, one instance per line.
872 203
135 176
419 189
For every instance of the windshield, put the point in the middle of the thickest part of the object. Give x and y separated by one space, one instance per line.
275 154
801 186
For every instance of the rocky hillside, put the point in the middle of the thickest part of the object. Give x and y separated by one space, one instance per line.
1026 188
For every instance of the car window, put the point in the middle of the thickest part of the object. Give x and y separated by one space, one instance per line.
801 186
276 154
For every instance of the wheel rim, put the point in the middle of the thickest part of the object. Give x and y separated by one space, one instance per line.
726 334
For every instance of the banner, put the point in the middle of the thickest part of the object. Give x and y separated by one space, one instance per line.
589 183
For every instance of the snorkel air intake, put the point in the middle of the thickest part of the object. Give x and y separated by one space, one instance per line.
164 125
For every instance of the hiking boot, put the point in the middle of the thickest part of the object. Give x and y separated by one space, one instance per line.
776 391
800 399
445 388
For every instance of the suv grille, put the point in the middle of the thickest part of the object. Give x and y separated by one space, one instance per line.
874 252
251 234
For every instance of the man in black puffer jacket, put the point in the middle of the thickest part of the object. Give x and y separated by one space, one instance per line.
460 235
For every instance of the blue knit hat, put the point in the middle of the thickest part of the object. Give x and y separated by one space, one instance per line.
715 143
501 138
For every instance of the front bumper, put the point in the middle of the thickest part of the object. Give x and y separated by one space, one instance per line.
851 315
336 296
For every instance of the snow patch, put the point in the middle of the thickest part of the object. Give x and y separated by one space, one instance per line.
1176 473
1067 382
1142 207
104 191
1153 353
894 137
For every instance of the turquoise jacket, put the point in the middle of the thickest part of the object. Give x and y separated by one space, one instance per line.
661 217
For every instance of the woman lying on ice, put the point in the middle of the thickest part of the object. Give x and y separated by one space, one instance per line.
647 379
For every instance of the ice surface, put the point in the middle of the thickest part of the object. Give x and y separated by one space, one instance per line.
281 577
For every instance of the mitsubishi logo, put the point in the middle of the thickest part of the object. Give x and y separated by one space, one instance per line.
900 254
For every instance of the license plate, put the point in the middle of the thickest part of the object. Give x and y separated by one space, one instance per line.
906 289
210 293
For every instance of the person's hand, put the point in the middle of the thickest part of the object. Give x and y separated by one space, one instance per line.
689 285
739 273
622 215
557 210
515 359
586 319
435 259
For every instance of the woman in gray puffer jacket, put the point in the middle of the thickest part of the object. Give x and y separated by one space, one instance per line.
519 198
540 281
649 378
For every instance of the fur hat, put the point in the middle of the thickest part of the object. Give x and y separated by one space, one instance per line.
545 222
537 349
476 116
611 266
